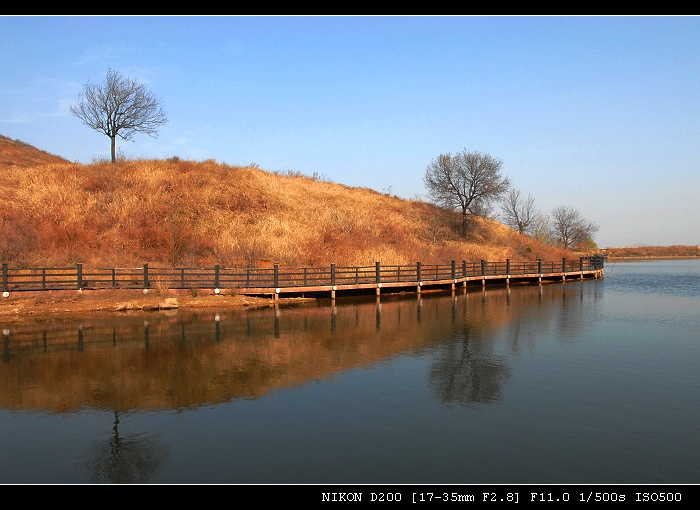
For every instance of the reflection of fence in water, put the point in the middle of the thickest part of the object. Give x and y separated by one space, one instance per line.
155 360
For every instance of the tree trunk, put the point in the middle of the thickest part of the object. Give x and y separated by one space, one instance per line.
464 222
114 146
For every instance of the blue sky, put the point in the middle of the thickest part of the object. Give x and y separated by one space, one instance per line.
597 113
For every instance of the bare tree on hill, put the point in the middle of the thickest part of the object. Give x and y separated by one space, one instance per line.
571 228
519 213
467 181
541 229
120 106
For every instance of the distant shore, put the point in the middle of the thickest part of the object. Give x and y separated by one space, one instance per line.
660 257
652 252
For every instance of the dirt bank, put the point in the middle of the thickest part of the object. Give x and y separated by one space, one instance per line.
19 306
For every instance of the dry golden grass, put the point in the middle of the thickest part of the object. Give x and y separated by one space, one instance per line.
18 153
182 213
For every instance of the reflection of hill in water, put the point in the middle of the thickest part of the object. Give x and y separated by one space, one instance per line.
182 360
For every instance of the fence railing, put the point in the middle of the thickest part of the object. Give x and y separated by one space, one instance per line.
79 277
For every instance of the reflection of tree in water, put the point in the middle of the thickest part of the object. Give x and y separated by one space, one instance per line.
125 460
464 374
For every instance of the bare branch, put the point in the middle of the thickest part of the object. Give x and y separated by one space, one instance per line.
570 228
119 107
519 213
468 182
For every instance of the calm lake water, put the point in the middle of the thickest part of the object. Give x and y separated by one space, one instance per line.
583 382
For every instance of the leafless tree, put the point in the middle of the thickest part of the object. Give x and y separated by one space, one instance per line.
541 229
467 181
518 212
120 106
570 228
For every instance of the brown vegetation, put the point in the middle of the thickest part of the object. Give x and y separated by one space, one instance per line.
18 153
182 213
650 252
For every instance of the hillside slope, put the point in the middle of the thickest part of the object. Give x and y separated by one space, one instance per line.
183 213
18 153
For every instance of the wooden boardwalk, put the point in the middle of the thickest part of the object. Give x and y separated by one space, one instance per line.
279 281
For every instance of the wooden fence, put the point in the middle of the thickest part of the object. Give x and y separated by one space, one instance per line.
278 279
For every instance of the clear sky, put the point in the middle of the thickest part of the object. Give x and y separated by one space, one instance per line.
597 113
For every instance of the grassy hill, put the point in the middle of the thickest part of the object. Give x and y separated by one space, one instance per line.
18 153
183 213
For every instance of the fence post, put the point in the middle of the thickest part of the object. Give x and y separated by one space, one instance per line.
145 276
453 269
377 272
483 267
216 276
276 276
507 267
563 265
4 277
580 263
114 278
418 264
79 271
464 267
332 274
539 266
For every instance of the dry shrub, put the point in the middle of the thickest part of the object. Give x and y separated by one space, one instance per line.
162 285
18 235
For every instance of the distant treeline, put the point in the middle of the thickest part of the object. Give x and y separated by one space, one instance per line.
637 252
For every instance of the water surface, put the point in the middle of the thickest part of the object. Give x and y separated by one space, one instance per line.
584 382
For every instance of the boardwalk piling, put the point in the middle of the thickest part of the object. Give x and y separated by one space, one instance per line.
418 277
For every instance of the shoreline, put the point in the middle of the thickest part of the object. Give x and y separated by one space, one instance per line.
41 304
32 305
660 257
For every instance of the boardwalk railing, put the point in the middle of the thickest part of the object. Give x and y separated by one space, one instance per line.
276 279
